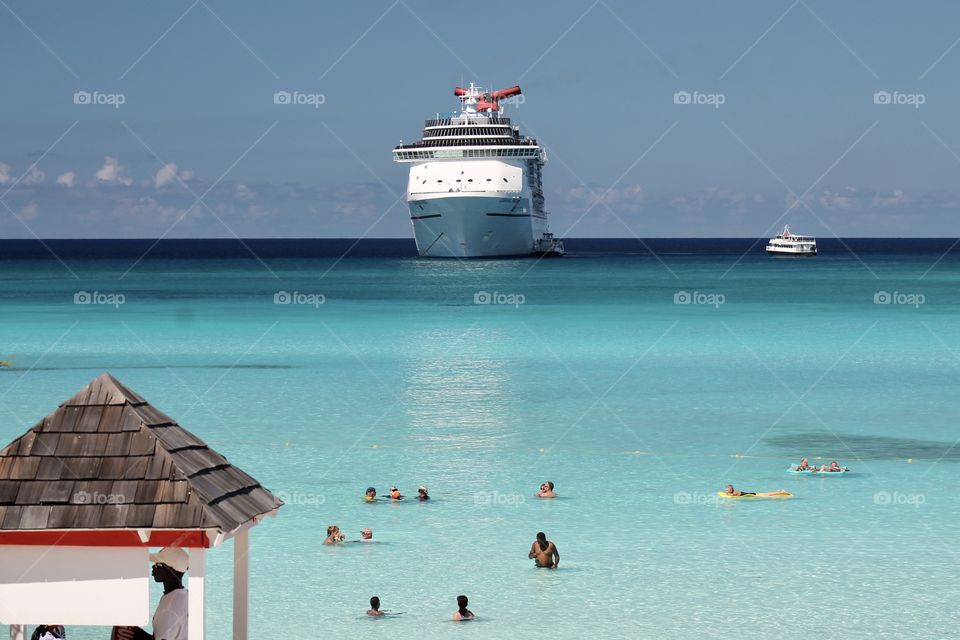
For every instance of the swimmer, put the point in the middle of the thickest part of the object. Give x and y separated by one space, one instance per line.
546 490
834 466
422 493
730 491
366 535
375 607
334 535
804 466
544 553
395 494
462 612
371 495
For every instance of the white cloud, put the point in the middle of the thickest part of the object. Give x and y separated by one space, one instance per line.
34 176
244 193
897 198
845 200
69 179
112 173
29 212
5 177
169 173
148 208
628 198
165 175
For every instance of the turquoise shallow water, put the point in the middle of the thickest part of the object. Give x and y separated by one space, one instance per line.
635 406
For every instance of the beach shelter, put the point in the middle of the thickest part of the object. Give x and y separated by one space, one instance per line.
86 493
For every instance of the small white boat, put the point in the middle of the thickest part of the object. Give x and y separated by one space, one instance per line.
787 243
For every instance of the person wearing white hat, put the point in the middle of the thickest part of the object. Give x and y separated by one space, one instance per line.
170 618
422 493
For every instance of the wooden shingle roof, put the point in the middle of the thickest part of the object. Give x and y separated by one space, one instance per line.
106 459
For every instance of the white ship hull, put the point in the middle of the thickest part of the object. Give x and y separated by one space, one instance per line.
473 209
475 226
792 251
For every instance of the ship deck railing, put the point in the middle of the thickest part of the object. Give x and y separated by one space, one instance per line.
445 119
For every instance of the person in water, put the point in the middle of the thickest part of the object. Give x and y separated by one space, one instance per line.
395 494
546 490
334 535
422 493
371 495
804 466
834 466
736 493
544 553
374 607
366 535
462 612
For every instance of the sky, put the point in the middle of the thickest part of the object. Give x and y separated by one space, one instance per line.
684 119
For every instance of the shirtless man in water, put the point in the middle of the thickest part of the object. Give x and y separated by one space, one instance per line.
544 552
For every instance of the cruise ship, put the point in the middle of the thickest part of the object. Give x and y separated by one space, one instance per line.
476 184
790 244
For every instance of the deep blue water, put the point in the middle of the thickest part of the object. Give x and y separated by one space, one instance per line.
399 248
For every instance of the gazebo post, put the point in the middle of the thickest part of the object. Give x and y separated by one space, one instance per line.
241 584
195 587
18 632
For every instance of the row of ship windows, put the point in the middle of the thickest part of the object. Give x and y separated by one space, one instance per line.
468 153
468 180
472 131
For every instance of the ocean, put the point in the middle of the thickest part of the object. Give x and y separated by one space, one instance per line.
639 377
